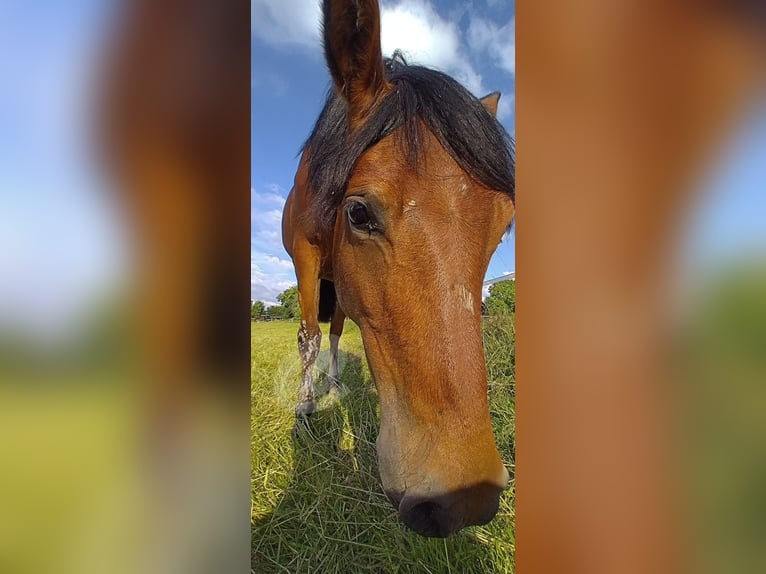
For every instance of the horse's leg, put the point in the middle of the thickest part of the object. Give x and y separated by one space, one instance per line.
309 335
336 330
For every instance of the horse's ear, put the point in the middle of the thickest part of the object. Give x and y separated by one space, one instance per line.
490 102
352 48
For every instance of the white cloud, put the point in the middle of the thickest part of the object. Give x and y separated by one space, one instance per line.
505 106
266 222
286 22
271 271
273 197
266 219
414 27
497 41
267 280
266 289
277 262
266 240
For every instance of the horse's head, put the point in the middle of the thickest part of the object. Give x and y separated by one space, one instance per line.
428 195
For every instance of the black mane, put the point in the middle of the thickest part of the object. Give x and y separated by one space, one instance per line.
463 126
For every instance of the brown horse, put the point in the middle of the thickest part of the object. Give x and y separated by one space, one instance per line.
404 190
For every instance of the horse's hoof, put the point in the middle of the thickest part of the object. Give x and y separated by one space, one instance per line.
304 409
334 392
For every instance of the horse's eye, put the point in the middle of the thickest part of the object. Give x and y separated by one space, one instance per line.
358 215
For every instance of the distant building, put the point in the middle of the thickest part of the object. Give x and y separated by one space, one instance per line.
489 282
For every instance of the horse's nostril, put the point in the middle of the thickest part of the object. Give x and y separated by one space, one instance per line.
428 518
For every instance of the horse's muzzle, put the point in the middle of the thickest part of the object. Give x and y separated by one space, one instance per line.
439 515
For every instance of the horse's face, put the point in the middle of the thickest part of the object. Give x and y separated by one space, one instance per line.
411 247
411 251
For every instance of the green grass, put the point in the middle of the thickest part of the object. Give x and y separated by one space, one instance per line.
317 503
723 401
63 455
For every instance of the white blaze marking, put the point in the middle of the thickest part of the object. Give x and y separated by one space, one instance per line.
411 203
466 297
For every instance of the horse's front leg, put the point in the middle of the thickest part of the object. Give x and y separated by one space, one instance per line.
309 334
336 330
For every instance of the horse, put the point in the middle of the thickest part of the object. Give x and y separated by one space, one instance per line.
403 191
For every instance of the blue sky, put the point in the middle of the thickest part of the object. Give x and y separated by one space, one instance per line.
472 41
729 220
60 242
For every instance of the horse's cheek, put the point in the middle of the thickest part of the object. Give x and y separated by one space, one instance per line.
347 273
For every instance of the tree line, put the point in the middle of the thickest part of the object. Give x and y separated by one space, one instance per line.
501 301
288 307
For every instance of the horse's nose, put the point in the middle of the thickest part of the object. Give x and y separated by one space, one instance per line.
430 516
443 514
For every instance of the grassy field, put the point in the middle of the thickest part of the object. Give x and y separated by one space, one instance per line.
317 503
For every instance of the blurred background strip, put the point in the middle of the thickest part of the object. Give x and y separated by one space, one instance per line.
641 252
124 338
